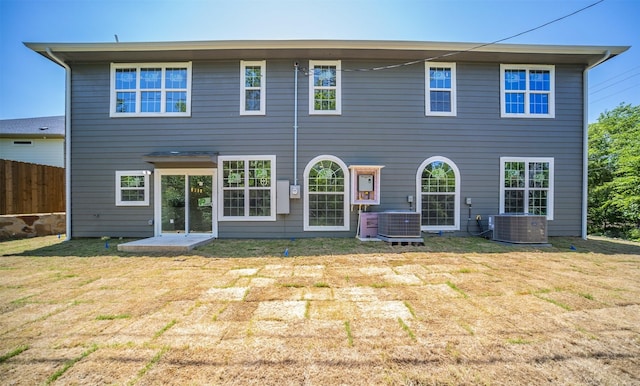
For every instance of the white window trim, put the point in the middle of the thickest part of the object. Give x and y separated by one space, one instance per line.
527 160
528 92
272 188
262 88
338 87
454 96
346 193
138 91
456 221
157 211
119 188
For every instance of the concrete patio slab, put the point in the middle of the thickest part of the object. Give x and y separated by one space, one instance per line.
171 243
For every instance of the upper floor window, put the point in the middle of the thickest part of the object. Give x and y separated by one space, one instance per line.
526 186
253 80
527 91
248 188
325 77
150 89
440 88
132 188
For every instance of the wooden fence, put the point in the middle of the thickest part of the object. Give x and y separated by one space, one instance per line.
30 188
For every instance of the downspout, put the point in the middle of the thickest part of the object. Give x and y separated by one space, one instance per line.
67 141
295 124
585 140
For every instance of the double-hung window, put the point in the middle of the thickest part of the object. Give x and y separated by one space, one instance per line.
440 89
527 91
150 89
248 188
325 78
526 186
132 188
253 83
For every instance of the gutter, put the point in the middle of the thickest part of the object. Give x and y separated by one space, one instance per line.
585 139
67 140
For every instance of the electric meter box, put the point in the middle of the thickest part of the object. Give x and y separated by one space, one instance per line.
365 182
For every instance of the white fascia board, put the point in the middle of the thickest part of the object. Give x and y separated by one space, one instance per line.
320 44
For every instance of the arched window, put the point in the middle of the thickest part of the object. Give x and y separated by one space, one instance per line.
438 194
326 195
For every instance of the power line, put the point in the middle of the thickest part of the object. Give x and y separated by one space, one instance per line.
597 85
475 47
613 84
615 93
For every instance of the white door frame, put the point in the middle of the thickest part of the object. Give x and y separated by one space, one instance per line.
157 199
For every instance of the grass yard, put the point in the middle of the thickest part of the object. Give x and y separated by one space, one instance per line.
335 311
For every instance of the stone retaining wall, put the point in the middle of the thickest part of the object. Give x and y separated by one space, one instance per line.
19 226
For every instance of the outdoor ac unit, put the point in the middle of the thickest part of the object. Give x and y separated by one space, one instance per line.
399 224
521 229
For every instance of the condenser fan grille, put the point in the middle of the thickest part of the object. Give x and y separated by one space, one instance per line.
399 224
521 229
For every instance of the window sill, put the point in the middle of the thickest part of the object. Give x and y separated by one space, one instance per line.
534 116
148 115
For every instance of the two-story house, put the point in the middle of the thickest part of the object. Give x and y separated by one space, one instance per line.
274 139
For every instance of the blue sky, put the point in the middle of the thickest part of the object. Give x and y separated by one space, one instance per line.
33 86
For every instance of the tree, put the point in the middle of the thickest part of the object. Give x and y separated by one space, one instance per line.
614 170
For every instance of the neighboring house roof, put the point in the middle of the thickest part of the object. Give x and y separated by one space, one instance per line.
41 127
326 49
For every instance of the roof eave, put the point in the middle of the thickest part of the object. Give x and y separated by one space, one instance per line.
322 44
383 45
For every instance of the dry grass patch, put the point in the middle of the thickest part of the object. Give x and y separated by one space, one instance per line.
332 310
356 294
226 294
281 310
383 310
405 279
238 311
276 292
262 282
455 311
239 272
313 271
277 270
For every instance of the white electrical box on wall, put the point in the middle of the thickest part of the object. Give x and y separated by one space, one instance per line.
294 191
365 184
282 198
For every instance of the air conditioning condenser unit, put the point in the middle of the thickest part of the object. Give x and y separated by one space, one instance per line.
399 224
519 228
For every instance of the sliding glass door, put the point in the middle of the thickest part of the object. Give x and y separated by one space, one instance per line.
186 201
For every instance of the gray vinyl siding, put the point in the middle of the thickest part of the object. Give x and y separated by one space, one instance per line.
383 122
